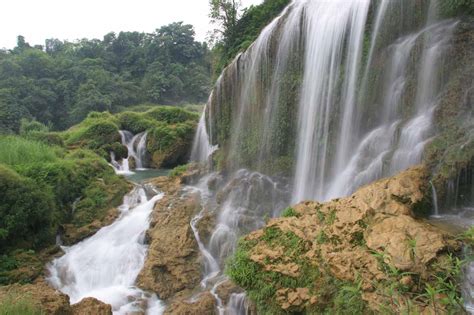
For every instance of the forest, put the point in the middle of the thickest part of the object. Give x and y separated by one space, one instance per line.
59 83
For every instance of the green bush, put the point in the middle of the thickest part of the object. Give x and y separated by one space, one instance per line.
26 209
134 122
171 114
451 8
178 170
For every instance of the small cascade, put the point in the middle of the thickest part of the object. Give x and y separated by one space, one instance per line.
435 201
136 147
202 147
106 265
238 304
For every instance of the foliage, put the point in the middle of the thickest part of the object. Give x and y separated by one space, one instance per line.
17 151
289 212
26 209
178 170
238 35
39 184
58 84
14 304
456 7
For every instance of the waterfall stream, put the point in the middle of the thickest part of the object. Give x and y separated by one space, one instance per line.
106 265
136 147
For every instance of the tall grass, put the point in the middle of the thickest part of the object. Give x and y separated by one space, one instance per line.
14 304
19 151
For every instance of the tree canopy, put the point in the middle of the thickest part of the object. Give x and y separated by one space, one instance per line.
59 83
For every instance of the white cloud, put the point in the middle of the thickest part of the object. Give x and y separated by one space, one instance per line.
71 20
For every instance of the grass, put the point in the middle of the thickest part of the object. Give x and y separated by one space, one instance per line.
14 304
15 150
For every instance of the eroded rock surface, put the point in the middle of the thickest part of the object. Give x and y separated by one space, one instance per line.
369 244
173 261
91 306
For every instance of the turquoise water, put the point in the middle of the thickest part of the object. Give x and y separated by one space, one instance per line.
139 176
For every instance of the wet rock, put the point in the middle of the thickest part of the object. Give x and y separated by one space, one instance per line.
91 306
73 234
173 261
366 241
204 303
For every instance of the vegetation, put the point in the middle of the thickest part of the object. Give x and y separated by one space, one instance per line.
178 170
235 33
39 184
14 304
59 83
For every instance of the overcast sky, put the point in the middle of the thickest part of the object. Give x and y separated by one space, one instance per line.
66 19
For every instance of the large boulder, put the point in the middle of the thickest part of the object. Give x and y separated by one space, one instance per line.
361 254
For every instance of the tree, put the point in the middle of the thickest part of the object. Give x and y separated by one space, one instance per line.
224 14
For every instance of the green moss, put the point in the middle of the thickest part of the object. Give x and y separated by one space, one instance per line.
178 170
289 212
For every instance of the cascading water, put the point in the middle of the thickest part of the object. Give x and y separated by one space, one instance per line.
136 147
106 265
332 95
202 148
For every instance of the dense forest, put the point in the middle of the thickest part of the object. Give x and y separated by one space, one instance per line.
59 83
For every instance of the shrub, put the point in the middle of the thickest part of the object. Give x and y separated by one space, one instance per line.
16 151
178 170
26 209
171 115
134 122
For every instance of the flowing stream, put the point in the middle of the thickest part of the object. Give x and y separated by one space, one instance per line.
106 265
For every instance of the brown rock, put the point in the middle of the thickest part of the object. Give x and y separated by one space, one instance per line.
173 260
205 303
49 300
346 239
91 306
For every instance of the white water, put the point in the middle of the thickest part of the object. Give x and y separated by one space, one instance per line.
106 265
202 149
346 132
136 147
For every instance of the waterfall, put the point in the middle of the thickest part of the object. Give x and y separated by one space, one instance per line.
331 96
202 148
435 200
106 265
136 147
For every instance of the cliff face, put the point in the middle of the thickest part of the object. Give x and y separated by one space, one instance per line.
281 108
361 254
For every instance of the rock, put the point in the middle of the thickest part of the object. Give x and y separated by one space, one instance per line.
365 241
205 303
173 261
91 306
49 300
72 234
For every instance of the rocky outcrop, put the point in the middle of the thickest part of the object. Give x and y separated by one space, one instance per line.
40 295
173 261
365 253
204 303
91 306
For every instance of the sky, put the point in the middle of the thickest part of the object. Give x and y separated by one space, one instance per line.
38 20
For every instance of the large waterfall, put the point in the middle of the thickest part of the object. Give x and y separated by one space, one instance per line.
331 96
